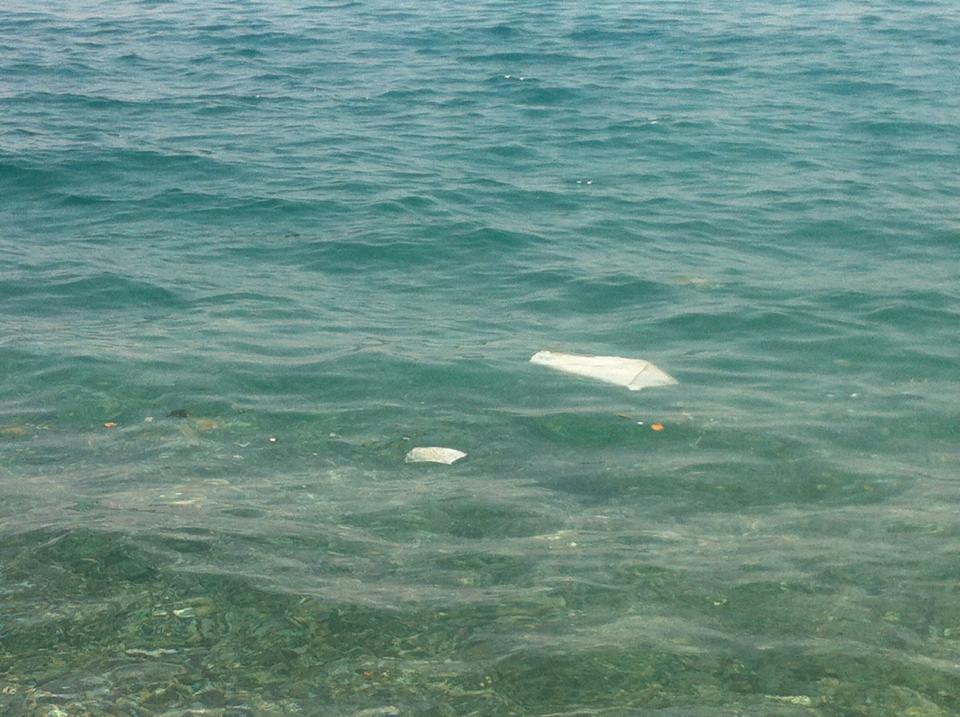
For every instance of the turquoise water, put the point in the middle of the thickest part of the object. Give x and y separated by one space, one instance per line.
274 246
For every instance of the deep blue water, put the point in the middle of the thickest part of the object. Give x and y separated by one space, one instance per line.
252 253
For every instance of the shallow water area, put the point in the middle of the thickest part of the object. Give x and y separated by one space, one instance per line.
252 255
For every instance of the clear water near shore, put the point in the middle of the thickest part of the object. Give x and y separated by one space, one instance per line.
275 246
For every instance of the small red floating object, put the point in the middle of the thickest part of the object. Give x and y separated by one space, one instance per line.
110 424
656 427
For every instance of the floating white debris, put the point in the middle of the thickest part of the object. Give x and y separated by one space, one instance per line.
632 373
158 652
802 700
434 454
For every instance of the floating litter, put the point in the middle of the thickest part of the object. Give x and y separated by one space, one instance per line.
434 454
656 427
632 373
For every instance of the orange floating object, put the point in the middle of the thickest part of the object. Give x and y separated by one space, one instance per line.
110 424
656 427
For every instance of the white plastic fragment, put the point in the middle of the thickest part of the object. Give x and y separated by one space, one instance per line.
158 652
632 373
802 700
434 454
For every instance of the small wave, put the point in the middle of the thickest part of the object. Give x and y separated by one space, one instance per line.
516 58
18 176
99 292
601 36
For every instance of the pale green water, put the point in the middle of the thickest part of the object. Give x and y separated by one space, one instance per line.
278 245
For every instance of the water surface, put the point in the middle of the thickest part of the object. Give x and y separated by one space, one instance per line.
252 253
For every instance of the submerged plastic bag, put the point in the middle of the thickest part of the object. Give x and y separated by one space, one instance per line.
632 373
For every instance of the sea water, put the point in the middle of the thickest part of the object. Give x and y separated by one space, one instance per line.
252 253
